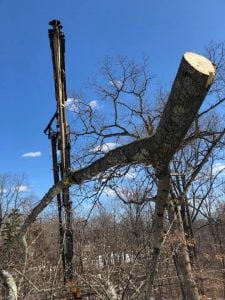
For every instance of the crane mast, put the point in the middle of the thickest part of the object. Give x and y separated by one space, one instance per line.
60 143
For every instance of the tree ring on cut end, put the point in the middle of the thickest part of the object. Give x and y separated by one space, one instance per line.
202 65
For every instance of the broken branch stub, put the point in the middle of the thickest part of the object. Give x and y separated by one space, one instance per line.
194 78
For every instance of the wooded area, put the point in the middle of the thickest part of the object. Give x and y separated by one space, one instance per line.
161 161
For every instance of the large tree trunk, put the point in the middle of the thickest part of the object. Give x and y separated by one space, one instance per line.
187 280
158 231
9 285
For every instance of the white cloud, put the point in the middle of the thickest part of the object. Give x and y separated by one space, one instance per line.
72 104
22 188
19 188
104 148
93 104
117 83
32 154
131 174
109 192
218 168
69 101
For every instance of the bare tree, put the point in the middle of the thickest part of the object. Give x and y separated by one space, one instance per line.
157 148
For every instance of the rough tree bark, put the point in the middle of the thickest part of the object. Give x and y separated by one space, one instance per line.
193 80
158 231
9 285
188 281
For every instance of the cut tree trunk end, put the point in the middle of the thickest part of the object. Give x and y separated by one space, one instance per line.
192 82
202 65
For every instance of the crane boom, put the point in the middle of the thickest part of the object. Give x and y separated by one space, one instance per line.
61 140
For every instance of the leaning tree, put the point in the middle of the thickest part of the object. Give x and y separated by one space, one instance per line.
190 87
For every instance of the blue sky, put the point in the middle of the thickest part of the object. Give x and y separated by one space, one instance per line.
163 30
